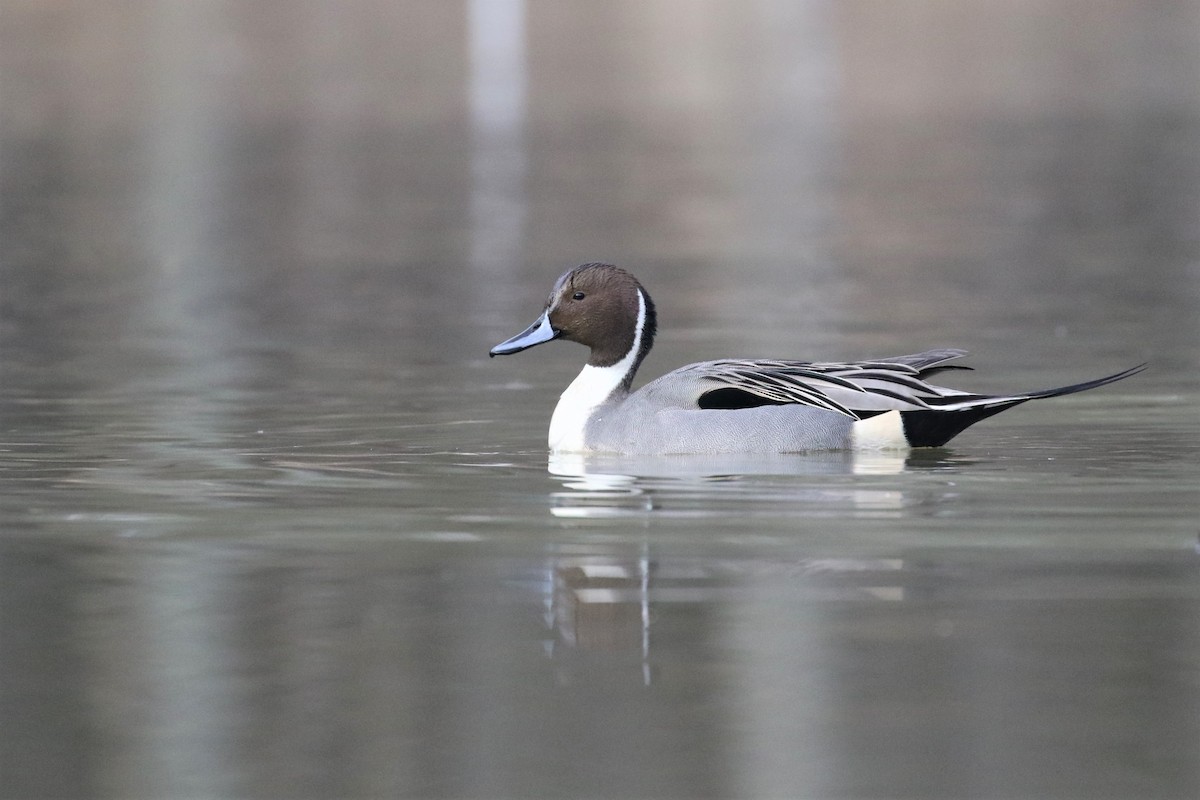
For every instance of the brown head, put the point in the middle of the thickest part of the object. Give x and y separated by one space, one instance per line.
598 305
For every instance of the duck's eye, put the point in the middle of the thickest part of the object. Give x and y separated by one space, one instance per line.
578 296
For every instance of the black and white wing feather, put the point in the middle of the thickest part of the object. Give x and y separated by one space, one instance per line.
863 389
857 389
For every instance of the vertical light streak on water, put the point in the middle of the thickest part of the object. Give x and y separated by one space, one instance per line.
499 159
185 187
644 596
787 653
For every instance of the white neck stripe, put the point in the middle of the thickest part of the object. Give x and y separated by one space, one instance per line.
590 389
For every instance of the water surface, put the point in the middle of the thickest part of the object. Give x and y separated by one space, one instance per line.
272 524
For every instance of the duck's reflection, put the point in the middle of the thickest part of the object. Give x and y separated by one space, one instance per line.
611 603
599 603
605 602
605 485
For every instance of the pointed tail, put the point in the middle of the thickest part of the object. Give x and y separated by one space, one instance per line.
956 413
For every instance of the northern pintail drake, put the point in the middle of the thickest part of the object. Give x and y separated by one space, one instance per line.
739 405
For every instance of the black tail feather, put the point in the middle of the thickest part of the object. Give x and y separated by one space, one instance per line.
1082 387
936 427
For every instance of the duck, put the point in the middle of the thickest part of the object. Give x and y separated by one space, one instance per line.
735 405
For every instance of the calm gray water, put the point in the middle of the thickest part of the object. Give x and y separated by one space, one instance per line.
273 525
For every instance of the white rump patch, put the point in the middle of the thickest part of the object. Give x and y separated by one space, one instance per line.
881 432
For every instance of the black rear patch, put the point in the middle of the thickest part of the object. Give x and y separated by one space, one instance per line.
935 428
729 398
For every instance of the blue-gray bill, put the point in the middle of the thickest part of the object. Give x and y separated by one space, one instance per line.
537 333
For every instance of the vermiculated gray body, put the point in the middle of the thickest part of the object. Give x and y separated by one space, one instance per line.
662 418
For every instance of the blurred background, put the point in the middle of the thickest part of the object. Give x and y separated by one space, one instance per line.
248 171
272 524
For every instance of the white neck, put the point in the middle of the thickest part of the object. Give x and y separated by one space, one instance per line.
590 389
